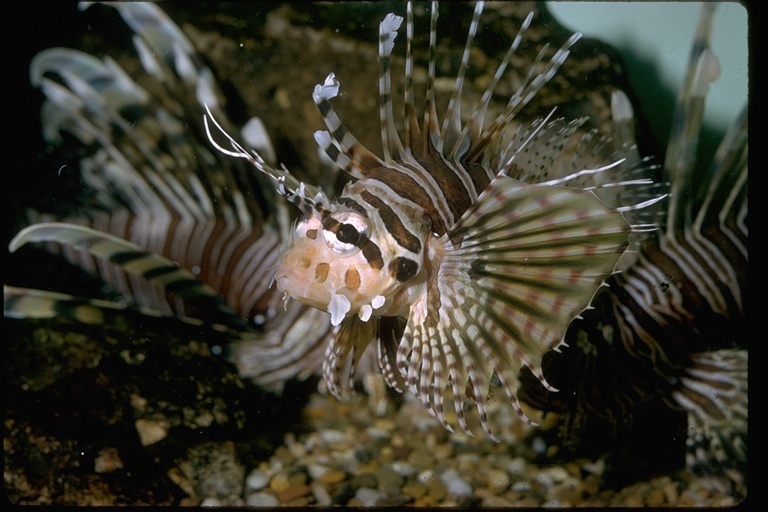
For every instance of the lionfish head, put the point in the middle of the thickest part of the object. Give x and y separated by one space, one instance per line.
344 260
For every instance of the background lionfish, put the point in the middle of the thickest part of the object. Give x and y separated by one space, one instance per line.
427 266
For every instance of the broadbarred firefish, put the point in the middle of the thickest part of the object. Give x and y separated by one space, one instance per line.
472 247
459 255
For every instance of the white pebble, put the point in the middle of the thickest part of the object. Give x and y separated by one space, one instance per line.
403 468
332 436
257 479
321 494
517 466
425 475
539 445
368 497
455 484
316 471
262 499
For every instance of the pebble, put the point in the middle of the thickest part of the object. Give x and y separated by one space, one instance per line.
455 484
389 480
279 483
293 492
333 477
152 431
257 479
321 494
368 497
262 499
498 480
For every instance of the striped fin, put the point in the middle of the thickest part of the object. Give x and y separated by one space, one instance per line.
177 282
29 303
510 277
286 350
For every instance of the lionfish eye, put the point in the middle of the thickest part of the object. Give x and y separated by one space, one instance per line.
345 239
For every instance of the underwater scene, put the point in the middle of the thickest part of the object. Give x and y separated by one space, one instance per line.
373 254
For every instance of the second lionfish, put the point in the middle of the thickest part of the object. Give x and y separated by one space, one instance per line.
462 254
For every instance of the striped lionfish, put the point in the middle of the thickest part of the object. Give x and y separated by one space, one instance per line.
466 252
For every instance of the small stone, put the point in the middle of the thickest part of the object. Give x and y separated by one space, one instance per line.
386 455
257 479
367 497
538 445
421 458
655 497
316 471
333 476
108 461
293 492
436 489
364 480
454 484
152 431
498 480
321 494
279 483
389 480
262 499
414 489
403 468
671 493
517 466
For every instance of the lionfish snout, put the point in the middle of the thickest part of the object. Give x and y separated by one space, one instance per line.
333 265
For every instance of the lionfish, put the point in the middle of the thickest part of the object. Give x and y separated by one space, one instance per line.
467 251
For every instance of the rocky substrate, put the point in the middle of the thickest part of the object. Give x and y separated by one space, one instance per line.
353 456
105 417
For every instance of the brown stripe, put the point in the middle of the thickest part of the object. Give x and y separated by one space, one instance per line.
392 222
408 188
449 183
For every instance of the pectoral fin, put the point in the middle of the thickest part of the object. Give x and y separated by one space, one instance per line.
506 281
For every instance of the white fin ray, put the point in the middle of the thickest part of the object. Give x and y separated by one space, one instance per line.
452 122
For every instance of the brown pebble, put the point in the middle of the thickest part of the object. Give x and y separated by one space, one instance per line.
293 492
333 476
279 483
655 497
671 493
414 489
